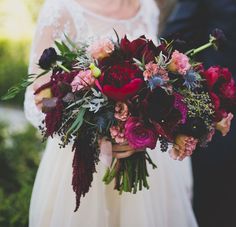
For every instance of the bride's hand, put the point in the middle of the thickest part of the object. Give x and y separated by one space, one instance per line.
123 151
46 93
183 147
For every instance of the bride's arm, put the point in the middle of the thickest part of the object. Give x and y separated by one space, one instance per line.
54 21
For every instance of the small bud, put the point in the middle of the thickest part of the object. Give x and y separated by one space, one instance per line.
95 70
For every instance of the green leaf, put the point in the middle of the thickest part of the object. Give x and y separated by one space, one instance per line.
70 41
13 91
78 122
62 47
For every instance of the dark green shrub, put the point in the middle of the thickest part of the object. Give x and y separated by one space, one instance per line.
14 57
19 158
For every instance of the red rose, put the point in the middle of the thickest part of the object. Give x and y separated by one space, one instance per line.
120 82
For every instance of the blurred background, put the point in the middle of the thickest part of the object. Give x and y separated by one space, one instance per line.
20 145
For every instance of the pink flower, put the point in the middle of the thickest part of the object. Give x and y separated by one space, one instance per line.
184 147
82 80
151 69
139 135
117 133
154 69
101 49
179 63
121 111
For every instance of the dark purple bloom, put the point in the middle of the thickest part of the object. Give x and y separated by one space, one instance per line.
48 58
219 38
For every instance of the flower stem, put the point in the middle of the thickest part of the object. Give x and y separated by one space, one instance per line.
106 175
64 68
199 49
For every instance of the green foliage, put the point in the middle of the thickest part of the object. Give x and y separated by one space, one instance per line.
19 159
13 66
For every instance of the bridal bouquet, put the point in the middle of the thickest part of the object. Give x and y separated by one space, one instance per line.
135 93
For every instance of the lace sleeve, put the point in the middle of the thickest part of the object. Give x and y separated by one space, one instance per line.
54 21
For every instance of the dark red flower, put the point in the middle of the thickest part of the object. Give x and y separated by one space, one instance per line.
158 104
212 75
121 81
222 90
140 48
160 108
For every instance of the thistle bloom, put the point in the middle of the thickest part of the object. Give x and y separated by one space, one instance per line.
155 75
101 49
191 79
179 63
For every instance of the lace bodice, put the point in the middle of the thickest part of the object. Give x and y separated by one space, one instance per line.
59 17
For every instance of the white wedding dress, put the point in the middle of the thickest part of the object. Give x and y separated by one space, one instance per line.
168 201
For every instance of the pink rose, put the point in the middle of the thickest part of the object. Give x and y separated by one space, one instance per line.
138 135
101 49
121 111
82 80
179 63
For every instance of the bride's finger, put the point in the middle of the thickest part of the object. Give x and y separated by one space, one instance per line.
123 154
117 147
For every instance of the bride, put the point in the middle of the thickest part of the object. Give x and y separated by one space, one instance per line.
168 201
